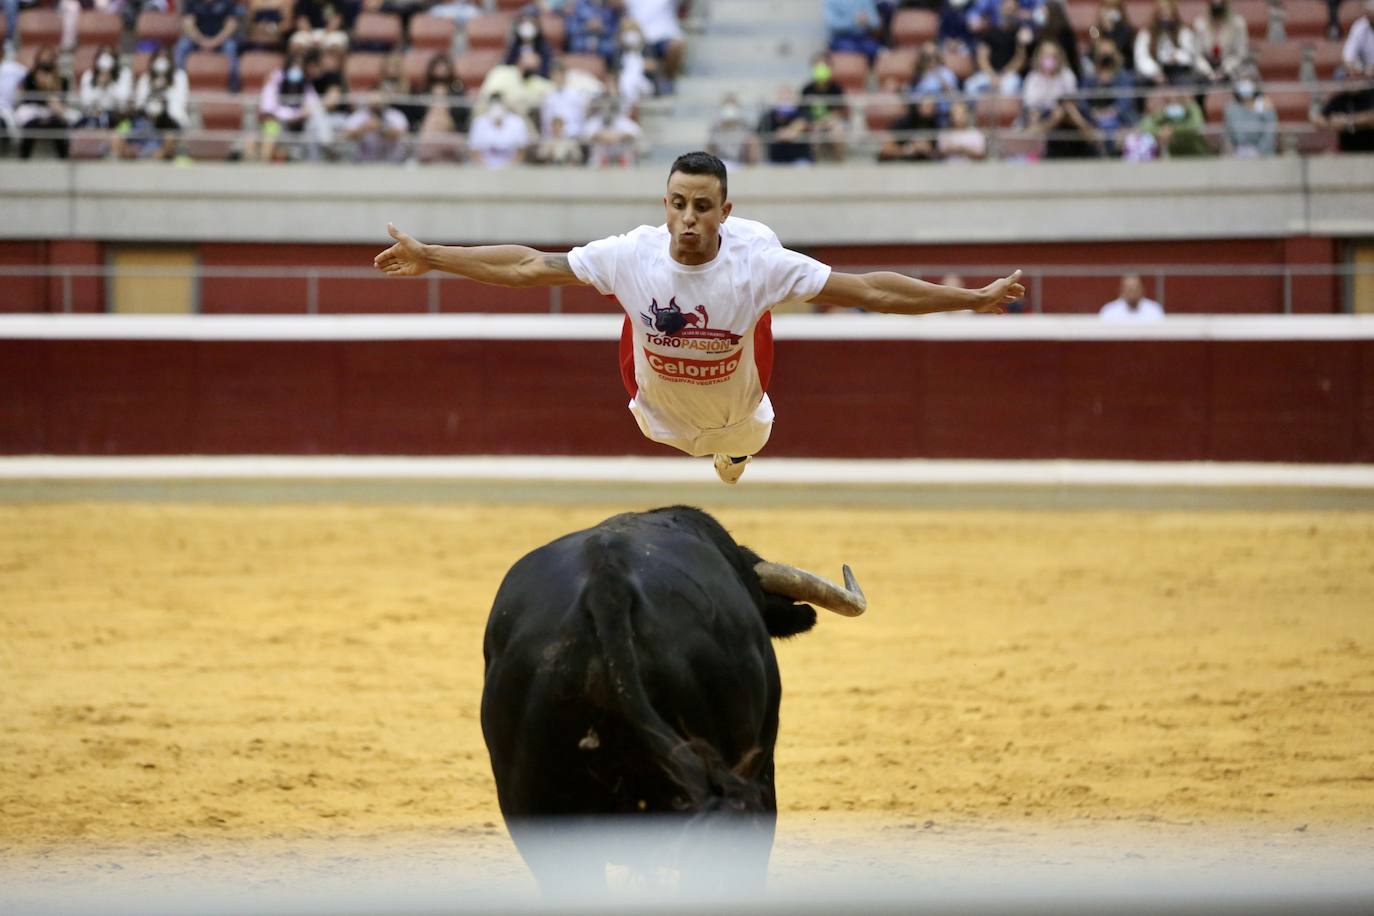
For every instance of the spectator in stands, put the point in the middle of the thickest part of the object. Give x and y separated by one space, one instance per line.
952 24
148 132
12 74
558 148
526 34
520 86
42 110
377 131
393 80
499 136
1223 39
162 82
1351 112
594 28
853 25
1131 304
933 77
319 22
105 91
731 139
1002 53
633 80
1357 55
785 130
442 120
458 11
1052 24
1176 123
826 110
1251 122
1047 106
211 25
332 88
405 9
268 24
611 136
1113 24
289 105
912 138
1167 52
569 98
1109 101
663 43
960 140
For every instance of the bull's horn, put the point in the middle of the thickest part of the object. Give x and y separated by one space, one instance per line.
791 582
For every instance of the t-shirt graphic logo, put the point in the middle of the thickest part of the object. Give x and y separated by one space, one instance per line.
670 320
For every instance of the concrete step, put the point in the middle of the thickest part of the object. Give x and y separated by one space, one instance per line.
755 11
751 55
694 92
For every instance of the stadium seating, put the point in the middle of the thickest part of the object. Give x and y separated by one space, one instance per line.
363 70
96 28
207 71
89 143
913 27
158 29
225 114
555 31
431 33
895 63
256 67
594 64
850 69
416 64
377 31
40 27
473 66
490 30
882 109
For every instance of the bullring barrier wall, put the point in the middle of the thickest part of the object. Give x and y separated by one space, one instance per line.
1217 388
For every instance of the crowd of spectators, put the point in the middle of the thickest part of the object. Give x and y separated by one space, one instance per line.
561 99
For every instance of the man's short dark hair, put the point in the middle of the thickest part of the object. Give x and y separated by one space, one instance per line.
702 163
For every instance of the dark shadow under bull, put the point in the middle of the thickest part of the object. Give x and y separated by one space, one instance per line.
631 680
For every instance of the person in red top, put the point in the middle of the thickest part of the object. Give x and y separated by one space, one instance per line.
697 351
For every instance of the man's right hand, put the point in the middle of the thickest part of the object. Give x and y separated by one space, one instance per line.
404 259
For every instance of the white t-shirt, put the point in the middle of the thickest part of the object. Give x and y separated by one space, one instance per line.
1120 310
498 142
658 19
700 357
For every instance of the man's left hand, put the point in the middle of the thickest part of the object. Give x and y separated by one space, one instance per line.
997 295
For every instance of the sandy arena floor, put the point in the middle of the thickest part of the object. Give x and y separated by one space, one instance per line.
179 674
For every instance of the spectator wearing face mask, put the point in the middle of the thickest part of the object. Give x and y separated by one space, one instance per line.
527 35
147 132
499 137
1045 107
1251 122
912 137
520 86
106 90
611 136
663 41
557 147
785 130
827 111
376 131
731 140
285 109
1114 25
164 83
1167 52
1357 54
1176 126
1002 52
569 98
42 112
1223 39
1052 24
268 23
633 80
1108 102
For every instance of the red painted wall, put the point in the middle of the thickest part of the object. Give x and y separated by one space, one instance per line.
1197 400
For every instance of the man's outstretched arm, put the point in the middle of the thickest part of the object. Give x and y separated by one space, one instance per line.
501 265
884 291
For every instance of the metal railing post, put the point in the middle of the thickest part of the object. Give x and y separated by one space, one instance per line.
67 290
432 294
1159 290
312 292
1287 289
555 300
1037 292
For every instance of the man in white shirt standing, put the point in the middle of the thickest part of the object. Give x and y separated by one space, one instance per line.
696 349
498 136
1132 305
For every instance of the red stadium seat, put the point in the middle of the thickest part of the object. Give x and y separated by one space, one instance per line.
913 27
377 31
432 33
490 30
1256 13
588 63
513 6
1082 16
96 28
208 149
997 111
1306 18
1281 61
89 143
161 29
208 71
850 69
363 70
222 115
40 27
881 109
139 62
474 66
555 31
256 67
83 59
1292 107
1328 58
895 63
416 65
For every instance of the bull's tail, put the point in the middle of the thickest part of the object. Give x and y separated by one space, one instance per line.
701 776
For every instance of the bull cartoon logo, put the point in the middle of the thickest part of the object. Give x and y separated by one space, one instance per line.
670 320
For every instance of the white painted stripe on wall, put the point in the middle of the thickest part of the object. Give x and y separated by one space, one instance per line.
762 472
607 327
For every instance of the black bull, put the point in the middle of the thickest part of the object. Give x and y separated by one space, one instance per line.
629 671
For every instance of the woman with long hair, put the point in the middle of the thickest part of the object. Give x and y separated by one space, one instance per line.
1167 52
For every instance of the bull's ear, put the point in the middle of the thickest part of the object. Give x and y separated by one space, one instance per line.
785 618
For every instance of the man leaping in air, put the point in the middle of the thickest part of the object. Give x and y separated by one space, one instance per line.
696 351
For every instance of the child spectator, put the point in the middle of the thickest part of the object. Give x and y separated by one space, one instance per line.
1167 52
557 148
1176 125
527 34
499 137
1002 52
1052 24
42 112
1251 122
912 137
211 25
106 90
961 141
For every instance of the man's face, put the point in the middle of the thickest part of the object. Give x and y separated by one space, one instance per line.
1132 289
695 208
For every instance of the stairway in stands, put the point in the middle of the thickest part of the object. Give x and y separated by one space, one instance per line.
747 47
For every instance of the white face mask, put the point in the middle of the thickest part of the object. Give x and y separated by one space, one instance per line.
729 113
1174 111
1245 90
155 109
105 63
1111 17
497 110
527 31
161 66
633 41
